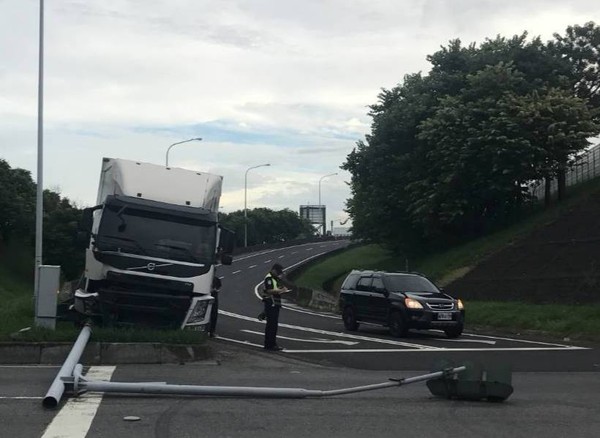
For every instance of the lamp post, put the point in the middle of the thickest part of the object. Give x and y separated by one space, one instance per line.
179 142
39 215
246 201
321 179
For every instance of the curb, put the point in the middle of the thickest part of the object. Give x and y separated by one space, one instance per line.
103 353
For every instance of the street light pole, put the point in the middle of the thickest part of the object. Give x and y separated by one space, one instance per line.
246 201
322 178
179 142
324 219
39 213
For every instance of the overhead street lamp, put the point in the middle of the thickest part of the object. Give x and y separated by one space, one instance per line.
324 220
322 178
179 142
246 201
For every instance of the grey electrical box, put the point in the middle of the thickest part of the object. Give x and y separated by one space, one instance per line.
46 297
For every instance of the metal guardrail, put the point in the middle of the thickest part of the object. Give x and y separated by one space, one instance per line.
586 168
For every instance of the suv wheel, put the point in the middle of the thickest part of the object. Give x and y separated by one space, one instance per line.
454 332
397 325
350 319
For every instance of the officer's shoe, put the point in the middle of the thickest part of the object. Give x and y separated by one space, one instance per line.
274 348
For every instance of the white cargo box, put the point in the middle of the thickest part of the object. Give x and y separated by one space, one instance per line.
159 183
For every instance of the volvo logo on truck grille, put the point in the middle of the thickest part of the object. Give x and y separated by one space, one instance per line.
150 266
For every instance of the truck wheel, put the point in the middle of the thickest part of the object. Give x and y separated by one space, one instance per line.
454 332
350 319
397 325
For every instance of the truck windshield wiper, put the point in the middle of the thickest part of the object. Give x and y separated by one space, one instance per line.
181 248
125 239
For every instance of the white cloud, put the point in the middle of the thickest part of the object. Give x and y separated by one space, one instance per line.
286 82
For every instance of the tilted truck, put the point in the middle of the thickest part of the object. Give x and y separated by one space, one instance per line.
153 241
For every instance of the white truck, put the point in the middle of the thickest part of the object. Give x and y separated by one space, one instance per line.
153 241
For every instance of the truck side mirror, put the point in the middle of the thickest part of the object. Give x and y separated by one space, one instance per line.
226 259
226 240
87 219
82 239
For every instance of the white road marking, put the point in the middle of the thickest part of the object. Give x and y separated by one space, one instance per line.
30 366
252 266
236 272
295 252
76 416
281 256
473 341
8 397
239 342
295 308
309 249
445 350
337 334
318 341
268 261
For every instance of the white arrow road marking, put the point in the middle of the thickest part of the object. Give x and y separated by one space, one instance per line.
474 341
338 334
320 341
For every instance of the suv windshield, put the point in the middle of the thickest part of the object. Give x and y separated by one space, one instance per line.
160 235
409 283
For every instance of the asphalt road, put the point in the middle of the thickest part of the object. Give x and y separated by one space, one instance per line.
557 384
321 338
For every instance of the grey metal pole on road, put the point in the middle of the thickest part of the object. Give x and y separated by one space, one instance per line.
162 388
55 393
179 142
39 207
246 201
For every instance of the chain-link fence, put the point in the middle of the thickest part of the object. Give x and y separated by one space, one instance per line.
586 168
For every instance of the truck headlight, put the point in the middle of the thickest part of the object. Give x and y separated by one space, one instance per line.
199 312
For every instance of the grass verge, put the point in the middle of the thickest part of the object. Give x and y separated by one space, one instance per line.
575 321
16 313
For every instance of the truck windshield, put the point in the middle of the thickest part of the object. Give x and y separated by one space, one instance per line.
167 236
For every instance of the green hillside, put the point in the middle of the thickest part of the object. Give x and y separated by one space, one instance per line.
560 317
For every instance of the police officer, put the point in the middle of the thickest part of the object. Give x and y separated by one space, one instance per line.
272 303
214 313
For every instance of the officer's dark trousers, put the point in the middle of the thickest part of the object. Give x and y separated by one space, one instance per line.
272 313
214 314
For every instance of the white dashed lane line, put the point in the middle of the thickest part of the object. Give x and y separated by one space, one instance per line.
281 256
253 266
236 272
268 261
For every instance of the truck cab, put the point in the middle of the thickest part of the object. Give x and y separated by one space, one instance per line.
154 242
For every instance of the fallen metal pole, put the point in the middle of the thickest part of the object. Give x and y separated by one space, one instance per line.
57 388
82 385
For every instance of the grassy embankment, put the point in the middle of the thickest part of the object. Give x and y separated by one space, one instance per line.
574 321
16 310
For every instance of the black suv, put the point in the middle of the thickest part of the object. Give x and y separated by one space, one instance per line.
400 301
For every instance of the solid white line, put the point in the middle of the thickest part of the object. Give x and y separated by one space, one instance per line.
236 272
29 366
516 340
337 334
473 341
253 266
293 308
76 416
317 341
239 342
444 350
6 397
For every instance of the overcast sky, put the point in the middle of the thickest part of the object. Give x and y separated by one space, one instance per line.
285 82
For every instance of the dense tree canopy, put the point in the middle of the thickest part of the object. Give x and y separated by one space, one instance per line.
451 154
267 226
